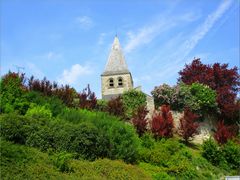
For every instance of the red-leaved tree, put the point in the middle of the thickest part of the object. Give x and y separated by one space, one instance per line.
162 123
87 99
219 77
188 125
115 107
224 132
139 120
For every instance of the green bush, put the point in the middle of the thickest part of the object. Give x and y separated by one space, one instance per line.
17 128
132 99
37 111
205 96
231 152
62 161
212 152
147 141
92 135
11 92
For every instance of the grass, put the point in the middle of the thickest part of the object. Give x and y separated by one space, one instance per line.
22 162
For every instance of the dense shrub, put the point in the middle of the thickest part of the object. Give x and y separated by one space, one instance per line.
93 135
21 162
17 128
87 99
139 120
132 99
231 152
162 123
226 156
163 94
212 152
188 125
224 132
62 161
11 92
198 97
147 140
115 107
101 105
36 111
220 78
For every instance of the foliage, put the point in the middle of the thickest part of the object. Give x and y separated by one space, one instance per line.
162 123
87 99
12 90
115 107
163 94
36 111
212 152
218 77
188 125
231 152
147 140
132 99
62 161
226 156
172 159
92 135
101 105
198 97
205 96
224 132
17 128
65 93
139 120
21 162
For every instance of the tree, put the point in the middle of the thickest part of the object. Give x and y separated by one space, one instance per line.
224 132
220 78
87 99
188 125
162 123
132 99
115 107
139 120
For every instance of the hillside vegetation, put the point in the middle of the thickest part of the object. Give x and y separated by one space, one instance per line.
53 132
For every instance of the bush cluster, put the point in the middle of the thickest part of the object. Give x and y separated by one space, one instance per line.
226 156
198 97
90 135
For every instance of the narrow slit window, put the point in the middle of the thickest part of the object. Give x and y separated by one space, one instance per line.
111 83
120 82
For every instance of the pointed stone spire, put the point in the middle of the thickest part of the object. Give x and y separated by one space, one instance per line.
116 62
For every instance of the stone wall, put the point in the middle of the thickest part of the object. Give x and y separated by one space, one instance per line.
108 91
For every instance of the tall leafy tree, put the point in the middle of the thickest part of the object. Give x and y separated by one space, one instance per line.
220 78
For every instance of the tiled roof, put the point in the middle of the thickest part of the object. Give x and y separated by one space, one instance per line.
116 62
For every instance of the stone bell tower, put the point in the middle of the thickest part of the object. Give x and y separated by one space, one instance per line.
116 77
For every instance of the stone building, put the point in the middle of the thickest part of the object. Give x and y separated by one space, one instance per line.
116 77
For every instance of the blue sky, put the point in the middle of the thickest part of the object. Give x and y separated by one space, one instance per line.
68 41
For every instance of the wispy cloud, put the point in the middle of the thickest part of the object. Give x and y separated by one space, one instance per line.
70 76
52 55
84 22
101 38
147 33
204 28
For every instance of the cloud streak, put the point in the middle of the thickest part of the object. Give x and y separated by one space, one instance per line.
71 76
84 22
147 33
184 50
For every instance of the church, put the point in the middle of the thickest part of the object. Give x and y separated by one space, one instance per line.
117 78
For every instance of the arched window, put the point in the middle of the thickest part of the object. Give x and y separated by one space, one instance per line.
120 81
111 83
